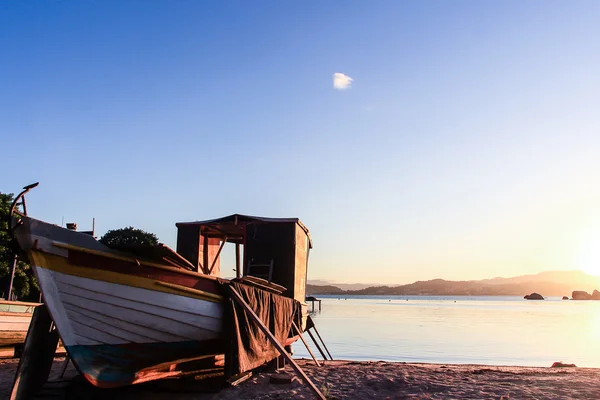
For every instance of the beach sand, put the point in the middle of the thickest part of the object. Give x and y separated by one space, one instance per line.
352 380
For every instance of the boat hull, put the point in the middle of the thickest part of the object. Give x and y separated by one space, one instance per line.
123 333
15 317
125 320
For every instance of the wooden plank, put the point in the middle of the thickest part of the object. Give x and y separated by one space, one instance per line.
132 260
19 303
190 290
305 344
38 355
71 298
63 369
190 310
180 259
321 339
217 256
238 271
237 379
12 338
205 253
316 344
238 299
264 282
14 315
259 284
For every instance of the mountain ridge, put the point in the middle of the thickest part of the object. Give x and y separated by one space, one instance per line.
547 283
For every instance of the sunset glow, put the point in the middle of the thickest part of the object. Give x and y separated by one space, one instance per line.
458 141
590 256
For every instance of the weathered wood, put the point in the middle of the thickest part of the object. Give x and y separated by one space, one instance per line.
239 378
12 338
261 284
64 366
217 255
190 290
205 255
238 271
38 355
131 260
305 344
238 299
316 344
264 282
320 338
188 245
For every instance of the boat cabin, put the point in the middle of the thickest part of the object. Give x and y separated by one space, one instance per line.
274 249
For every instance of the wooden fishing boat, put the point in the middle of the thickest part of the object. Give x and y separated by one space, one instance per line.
131 316
15 317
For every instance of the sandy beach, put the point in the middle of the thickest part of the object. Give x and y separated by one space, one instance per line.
350 380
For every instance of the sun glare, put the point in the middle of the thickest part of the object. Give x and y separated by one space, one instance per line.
590 258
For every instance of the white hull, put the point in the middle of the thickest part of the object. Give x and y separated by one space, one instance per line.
92 312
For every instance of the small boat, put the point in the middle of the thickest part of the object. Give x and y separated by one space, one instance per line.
132 315
15 317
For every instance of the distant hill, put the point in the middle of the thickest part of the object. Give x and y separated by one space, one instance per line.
566 277
551 283
323 289
343 286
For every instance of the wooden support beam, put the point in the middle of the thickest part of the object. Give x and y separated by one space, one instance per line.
63 369
321 339
217 255
205 254
197 292
38 355
238 271
316 344
238 299
237 379
131 259
305 344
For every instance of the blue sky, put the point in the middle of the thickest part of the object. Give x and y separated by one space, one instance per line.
466 147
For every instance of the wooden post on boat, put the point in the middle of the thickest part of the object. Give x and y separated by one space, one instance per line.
38 355
238 270
305 344
238 299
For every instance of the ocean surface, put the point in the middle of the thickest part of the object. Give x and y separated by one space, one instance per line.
458 329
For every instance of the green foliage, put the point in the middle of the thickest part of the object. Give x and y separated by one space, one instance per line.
24 284
128 236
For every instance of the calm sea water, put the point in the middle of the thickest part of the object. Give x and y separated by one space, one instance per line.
457 329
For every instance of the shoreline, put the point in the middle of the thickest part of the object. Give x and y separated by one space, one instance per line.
347 379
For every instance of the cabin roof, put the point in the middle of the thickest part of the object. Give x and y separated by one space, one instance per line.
232 226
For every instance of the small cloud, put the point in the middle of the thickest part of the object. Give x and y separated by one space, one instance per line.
341 81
